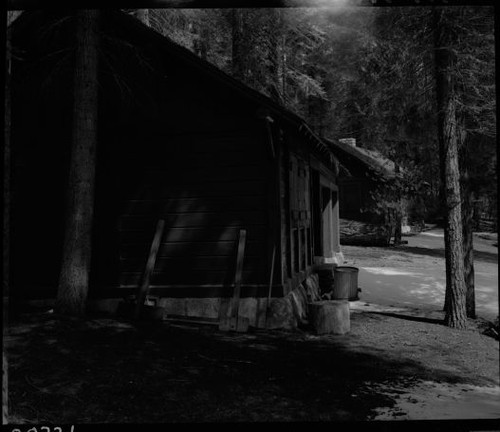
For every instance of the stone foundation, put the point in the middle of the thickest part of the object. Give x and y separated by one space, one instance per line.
283 312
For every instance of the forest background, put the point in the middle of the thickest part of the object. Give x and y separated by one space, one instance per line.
368 74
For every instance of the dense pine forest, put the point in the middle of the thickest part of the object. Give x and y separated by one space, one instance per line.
368 74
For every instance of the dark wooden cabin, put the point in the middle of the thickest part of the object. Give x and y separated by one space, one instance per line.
178 140
361 173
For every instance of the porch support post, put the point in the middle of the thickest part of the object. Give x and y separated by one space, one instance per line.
327 224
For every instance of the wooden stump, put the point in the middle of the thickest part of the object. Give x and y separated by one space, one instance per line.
330 316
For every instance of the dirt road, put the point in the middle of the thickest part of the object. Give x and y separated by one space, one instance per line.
413 275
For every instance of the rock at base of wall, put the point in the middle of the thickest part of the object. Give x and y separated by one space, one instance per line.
311 285
280 314
299 303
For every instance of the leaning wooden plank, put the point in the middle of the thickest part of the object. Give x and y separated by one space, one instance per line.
237 286
271 275
229 319
144 287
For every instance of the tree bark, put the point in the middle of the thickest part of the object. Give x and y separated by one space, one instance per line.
455 313
468 231
398 212
5 389
201 42
75 269
238 45
275 33
6 207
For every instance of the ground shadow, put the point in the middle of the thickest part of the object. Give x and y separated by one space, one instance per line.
410 318
478 255
80 372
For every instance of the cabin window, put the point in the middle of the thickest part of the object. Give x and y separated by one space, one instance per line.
309 259
303 250
325 216
300 215
316 213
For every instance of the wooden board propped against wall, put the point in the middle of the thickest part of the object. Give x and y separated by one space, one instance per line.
143 289
229 318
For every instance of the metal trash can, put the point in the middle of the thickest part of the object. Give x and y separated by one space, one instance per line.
345 283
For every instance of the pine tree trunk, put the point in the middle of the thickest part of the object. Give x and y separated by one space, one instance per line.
397 229
6 210
75 270
201 42
5 389
6 167
468 230
238 45
455 314
398 214
283 61
275 32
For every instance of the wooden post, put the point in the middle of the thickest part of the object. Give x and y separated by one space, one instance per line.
6 32
230 320
271 274
144 287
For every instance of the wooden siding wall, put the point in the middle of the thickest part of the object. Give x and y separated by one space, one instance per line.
175 146
354 195
206 189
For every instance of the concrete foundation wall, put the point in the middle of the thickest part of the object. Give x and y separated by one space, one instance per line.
282 312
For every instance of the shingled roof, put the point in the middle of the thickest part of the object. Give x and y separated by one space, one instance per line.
373 162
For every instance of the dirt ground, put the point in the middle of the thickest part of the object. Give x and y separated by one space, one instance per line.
106 371
394 364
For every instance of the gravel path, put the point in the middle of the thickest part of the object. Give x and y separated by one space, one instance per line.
413 275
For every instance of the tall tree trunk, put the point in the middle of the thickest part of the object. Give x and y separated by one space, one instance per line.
75 270
398 211
455 314
201 42
275 29
6 18
6 166
468 230
397 228
238 44
283 60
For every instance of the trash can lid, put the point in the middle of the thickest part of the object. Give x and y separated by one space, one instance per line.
346 269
